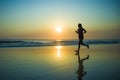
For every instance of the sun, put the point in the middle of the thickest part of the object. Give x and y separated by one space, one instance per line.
58 29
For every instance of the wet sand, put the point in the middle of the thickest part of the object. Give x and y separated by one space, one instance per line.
59 63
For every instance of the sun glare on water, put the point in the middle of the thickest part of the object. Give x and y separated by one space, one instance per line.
58 51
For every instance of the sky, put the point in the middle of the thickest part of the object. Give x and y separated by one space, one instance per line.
38 19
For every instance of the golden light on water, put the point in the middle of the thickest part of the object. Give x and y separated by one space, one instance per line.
58 51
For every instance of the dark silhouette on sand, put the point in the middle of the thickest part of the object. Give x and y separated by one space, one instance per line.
80 72
80 33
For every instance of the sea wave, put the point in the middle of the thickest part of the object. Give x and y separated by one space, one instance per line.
39 43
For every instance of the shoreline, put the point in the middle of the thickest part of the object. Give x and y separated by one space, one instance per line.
39 62
42 43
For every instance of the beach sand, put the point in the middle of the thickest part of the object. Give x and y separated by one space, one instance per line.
59 63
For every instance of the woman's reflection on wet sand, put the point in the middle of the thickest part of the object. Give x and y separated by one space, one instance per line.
80 72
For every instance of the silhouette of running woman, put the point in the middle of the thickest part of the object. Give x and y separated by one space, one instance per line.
80 33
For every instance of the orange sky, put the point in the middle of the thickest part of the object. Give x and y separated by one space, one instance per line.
38 19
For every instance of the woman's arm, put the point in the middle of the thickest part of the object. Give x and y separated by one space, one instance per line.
76 31
84 31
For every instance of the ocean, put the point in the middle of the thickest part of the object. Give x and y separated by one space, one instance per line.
56 60
39 43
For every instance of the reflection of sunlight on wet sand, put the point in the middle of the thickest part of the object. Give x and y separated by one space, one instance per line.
58 51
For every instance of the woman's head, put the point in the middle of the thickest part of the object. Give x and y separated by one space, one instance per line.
80 25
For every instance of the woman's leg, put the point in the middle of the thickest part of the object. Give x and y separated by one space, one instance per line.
81 42
79 45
